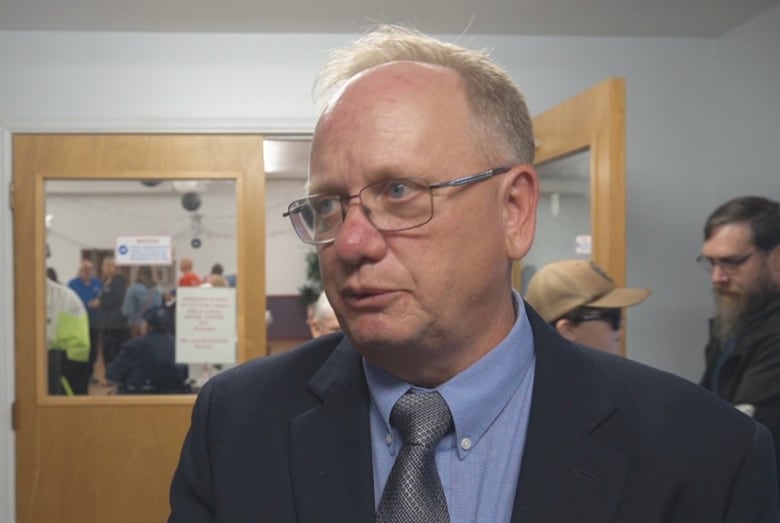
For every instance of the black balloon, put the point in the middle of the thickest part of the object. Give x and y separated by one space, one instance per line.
190 201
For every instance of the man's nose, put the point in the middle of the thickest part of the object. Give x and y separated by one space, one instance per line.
718 274
358 238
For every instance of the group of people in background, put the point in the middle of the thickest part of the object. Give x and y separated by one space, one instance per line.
215 278
130 328
92 319
741 251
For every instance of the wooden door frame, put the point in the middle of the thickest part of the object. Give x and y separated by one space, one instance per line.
594 120
245 168
248 248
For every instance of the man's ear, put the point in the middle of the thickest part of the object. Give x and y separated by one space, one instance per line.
520 197
567 329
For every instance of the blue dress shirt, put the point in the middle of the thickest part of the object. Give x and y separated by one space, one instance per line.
479 464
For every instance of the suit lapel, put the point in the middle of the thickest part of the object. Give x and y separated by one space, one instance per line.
567 473
330 448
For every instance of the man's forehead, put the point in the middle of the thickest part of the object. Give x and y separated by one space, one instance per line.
729 237
388 82
395 75
388 122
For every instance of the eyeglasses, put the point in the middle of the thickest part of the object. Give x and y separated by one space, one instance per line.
612 316
390 205
729 264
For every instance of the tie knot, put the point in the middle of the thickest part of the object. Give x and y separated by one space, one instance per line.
422 419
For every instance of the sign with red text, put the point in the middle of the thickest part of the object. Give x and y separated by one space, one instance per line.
205 325
143 250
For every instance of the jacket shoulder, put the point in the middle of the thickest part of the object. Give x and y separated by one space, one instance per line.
284 373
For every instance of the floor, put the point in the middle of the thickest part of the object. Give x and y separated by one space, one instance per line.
200 373
98 386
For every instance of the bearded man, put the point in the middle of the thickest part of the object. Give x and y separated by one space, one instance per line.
742 251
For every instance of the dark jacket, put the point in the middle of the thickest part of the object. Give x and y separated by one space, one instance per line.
751 374
147 365
286 439
111 297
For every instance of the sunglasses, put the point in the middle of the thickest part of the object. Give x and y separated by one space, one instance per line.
612 316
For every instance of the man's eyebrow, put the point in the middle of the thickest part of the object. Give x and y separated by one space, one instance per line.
370 178
324 188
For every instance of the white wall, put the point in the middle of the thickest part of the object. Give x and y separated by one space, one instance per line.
7 461
95 220
702 126
557 226
285 259
725 146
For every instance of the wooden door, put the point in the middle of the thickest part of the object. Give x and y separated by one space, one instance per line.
110 458
591 124
593 121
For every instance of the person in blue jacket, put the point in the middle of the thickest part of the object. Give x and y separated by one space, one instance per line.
147 364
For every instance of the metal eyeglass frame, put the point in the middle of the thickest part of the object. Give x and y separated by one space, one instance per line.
302 204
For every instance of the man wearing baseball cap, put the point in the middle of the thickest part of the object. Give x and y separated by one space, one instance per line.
582 302
147 363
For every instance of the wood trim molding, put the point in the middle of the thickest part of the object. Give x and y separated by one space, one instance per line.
34 164
595 120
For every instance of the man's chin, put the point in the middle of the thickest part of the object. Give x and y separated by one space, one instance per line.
373 334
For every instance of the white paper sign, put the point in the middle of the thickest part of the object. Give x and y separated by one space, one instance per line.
583 244
143 250
205 325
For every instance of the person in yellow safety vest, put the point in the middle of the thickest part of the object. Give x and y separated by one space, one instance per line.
67 340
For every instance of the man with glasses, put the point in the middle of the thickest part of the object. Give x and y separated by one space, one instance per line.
582 303
742 253
446 398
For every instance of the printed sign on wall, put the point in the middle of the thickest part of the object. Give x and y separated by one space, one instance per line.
206 325
143 250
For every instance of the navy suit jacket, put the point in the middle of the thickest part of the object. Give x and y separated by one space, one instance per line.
286 439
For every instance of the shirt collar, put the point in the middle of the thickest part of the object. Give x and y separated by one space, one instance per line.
477 395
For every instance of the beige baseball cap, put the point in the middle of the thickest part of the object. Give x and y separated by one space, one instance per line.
561 286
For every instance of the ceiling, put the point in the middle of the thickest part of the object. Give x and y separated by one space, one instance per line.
685 18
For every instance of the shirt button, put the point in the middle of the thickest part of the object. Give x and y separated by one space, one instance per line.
389 439
465 443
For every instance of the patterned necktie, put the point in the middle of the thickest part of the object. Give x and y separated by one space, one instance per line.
413 493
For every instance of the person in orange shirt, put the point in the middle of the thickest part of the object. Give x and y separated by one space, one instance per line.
188 277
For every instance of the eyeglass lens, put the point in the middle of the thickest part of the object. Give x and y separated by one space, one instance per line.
393 205
727 264
390 205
